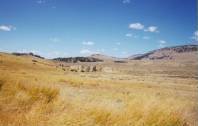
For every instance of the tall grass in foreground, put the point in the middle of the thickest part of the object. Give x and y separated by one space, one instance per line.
23 103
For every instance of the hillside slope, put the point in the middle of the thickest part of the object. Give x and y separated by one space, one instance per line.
177 52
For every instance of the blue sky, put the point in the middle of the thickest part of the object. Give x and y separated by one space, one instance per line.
54 28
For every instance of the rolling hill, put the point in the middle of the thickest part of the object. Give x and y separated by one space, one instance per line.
176 52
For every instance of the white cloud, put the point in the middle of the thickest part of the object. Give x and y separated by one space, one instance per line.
137 26
55 39
7 28
40 1
146 37
195 36
85 51
89 43
152 29
126 1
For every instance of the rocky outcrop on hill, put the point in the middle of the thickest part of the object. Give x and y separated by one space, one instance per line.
82 68
27 54
78 59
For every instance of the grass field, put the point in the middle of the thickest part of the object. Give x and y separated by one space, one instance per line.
35 92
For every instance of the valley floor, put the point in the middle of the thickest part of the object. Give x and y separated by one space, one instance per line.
37 92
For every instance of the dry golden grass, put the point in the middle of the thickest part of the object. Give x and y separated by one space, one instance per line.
40 94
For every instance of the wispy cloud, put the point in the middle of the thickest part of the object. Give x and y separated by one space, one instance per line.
85 51
46 2
88 43
40 1
136 26
162 43
195 36
131 35
126 1
7 28
152 29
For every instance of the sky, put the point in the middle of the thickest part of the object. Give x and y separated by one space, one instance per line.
64 28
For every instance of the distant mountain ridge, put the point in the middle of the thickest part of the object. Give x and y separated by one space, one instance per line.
165 53
181 51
